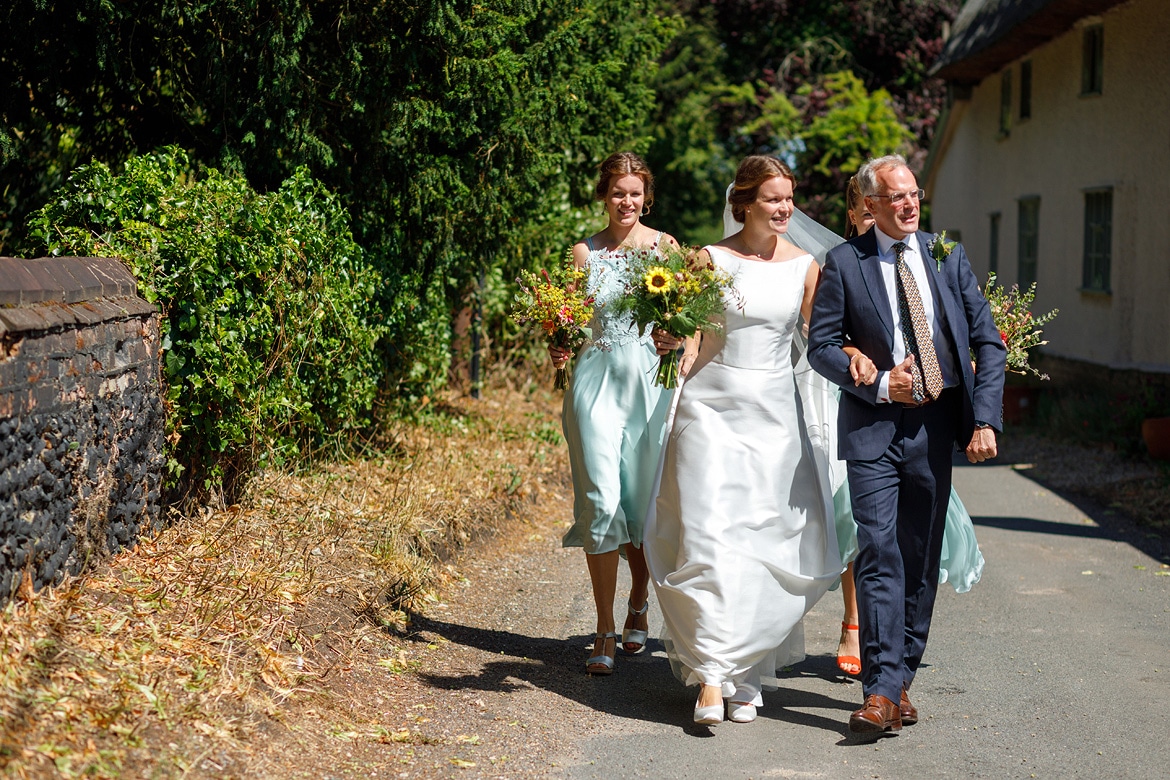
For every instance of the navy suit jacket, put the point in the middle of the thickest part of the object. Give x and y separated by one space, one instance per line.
852 305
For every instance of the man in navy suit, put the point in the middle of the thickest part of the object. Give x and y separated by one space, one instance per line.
919 315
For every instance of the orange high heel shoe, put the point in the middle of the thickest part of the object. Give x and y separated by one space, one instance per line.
850 664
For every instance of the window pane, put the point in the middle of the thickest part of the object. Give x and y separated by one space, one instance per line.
1005 103
1028 241
993 248
1092 63
1098 240
1026 90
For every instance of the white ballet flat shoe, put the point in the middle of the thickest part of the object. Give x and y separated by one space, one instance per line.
739 712
709 716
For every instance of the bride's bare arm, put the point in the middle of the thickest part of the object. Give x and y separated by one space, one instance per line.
810 289
690 353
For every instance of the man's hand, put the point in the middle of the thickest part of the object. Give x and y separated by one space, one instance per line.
982 446
902 382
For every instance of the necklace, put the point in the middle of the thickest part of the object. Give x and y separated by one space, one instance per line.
761 255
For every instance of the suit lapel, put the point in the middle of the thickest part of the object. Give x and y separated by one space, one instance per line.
871 272
939 288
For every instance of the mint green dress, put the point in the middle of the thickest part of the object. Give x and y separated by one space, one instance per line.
614 419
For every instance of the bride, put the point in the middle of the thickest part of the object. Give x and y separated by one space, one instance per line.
741 540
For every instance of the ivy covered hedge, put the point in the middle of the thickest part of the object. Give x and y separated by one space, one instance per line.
270 328
461 136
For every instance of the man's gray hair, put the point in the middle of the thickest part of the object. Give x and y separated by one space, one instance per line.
867 176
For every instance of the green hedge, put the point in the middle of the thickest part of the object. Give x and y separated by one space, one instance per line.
270 326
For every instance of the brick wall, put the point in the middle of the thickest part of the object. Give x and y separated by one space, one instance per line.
81 425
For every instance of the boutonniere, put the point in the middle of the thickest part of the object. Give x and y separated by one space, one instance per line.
940 248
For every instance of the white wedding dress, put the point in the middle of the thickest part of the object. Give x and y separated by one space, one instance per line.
740 542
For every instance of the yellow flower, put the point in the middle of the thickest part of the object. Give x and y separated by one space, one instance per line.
658 280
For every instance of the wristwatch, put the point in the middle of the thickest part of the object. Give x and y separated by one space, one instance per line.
980 425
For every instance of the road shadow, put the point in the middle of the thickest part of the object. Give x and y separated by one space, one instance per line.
1032 525
1111 524
641 687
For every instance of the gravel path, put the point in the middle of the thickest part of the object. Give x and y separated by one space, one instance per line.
1053 666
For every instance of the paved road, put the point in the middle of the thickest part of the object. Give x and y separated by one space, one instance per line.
1055 665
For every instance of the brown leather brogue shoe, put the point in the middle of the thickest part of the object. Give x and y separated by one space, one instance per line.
877 715
907 710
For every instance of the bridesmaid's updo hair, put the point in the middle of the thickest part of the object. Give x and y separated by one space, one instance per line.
750 175
855 202
621 164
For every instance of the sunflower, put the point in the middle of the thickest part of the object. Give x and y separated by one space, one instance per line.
658 280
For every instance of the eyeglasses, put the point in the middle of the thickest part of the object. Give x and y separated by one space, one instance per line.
898 198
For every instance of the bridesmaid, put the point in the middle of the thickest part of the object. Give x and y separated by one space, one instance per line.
614 417
962 562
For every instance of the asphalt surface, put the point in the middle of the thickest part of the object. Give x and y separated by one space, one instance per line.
1055 665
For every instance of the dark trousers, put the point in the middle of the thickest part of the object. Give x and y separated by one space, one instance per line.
900 505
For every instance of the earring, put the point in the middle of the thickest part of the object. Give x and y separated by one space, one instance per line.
645 210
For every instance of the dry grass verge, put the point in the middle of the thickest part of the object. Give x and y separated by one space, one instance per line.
176 657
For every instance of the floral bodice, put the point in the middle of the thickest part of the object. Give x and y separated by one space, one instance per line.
606 269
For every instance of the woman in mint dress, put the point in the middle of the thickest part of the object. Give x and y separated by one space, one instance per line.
614 417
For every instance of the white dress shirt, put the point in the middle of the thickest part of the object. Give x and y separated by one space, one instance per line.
914 259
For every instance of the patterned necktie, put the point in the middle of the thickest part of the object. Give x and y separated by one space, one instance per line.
928 381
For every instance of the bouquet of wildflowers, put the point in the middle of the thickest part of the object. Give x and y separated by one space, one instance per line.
1019 329
558 304
666 288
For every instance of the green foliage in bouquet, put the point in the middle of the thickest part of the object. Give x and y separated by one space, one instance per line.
1020 330
669 289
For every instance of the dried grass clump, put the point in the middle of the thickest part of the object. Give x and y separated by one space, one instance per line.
170 658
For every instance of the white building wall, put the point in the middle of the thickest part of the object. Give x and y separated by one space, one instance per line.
1119 139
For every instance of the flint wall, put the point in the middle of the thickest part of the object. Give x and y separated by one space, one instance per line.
81 423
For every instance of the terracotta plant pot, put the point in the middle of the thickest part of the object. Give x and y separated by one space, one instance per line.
1156 434
1019 403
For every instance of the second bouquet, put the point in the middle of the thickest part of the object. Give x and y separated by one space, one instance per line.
669 288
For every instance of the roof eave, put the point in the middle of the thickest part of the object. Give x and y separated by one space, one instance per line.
982 59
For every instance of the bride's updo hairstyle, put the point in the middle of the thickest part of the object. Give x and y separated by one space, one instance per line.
621 164
750 175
